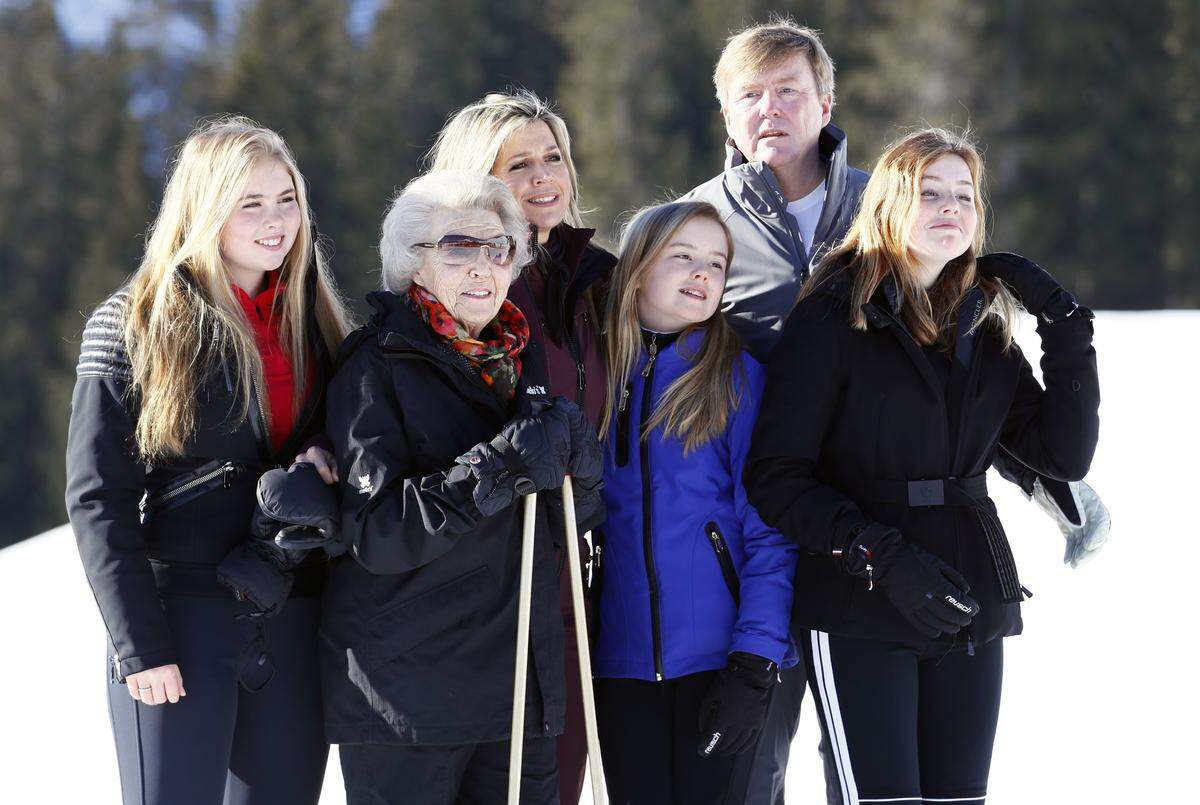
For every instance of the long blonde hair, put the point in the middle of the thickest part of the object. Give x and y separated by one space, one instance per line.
473 137
695 408
876 245
183 317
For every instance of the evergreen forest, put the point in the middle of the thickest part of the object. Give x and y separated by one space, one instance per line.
1088 111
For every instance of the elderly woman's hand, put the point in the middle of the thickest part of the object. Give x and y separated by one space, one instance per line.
529 455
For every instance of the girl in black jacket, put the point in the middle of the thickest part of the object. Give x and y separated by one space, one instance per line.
894 384
205 370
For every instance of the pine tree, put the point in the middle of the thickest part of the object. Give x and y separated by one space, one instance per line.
35 239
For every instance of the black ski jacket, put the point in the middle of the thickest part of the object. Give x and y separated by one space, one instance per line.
419 618
850 418
148 530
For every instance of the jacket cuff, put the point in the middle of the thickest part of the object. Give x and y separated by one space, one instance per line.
759 646
143 662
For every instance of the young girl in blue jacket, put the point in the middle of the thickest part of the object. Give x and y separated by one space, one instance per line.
696 590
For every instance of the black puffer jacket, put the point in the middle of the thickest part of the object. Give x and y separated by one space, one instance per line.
145 530
849 418
419 621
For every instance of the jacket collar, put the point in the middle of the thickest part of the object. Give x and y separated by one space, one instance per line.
399 328
839 285
831 145
567 244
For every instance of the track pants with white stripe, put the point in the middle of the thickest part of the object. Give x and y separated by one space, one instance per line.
902 726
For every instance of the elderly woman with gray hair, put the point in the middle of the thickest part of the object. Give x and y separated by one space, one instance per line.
440 422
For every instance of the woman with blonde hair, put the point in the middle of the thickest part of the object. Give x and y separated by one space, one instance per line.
205 370
519 138
894 385
696 589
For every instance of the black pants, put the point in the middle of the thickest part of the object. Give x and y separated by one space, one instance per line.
224 742
758 775
649 736
905 727
470 774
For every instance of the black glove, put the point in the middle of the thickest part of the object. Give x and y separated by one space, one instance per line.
297 511
929 593
529 455
1039 293
256 577
586 463
734 709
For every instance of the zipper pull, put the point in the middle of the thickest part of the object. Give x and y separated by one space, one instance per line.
582 375
624 399
970 644
716 541
870 577
650 363
227 473
115 668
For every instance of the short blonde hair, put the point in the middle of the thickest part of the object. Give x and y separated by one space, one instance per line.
754 49
410 217
474 136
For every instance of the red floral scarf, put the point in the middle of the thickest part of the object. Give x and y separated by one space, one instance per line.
496 356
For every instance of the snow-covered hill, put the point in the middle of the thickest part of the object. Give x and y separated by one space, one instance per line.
1099 700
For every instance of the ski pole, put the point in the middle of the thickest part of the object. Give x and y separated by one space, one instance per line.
595 767
517 740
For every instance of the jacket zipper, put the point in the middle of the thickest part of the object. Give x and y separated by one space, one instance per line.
910 346
264 435
647 542
225 471
788 222
471 372
724 560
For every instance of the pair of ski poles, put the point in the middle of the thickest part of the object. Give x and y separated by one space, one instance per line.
599 795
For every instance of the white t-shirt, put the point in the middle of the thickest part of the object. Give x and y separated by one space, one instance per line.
807 212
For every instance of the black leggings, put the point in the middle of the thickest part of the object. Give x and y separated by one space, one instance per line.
904 727
223 742
649 737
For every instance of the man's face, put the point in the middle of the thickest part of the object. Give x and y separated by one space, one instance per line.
776 115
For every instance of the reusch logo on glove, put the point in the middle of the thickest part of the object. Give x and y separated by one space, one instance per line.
712 744
956 604
365 486
536 391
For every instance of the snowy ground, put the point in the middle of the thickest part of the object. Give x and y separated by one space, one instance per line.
1099 700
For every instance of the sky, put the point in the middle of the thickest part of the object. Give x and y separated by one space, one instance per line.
88 22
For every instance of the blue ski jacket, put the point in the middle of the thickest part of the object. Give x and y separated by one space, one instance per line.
690 572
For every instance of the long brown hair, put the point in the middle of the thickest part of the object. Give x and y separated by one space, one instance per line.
183 316
876 245
696 407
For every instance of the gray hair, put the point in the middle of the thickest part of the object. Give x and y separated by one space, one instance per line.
410 216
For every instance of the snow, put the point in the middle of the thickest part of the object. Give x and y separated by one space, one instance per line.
1097 701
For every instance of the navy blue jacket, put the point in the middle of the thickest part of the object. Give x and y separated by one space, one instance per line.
690 571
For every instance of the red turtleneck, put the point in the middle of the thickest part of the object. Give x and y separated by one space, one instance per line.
277 368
